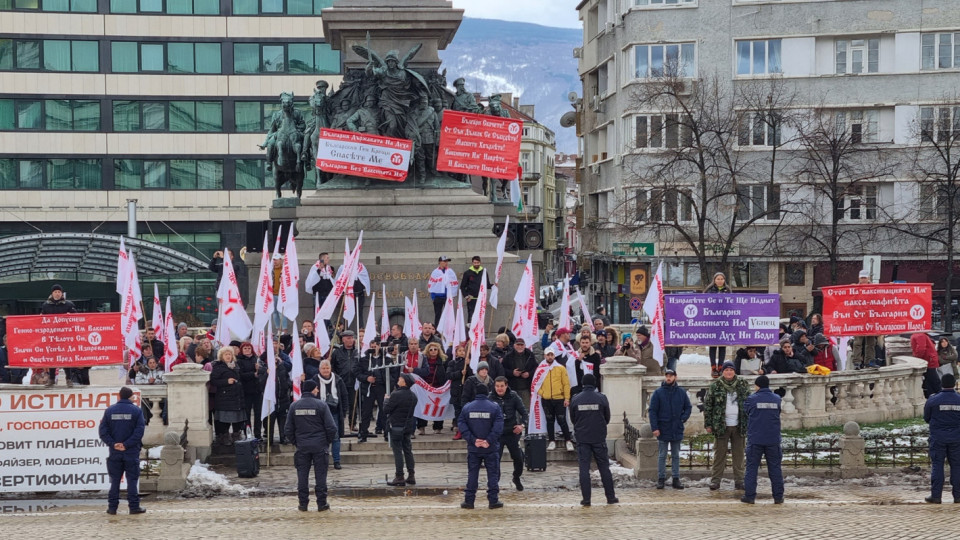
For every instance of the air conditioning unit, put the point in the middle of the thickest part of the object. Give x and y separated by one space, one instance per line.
686 87
595 168
609 26
578 52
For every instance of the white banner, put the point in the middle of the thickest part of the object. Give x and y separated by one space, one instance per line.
360 154
538 419
51 439
432 403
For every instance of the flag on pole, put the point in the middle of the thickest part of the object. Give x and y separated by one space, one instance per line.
370 330
264 301
131 311
460 334
157 322
320 337
290 280
411 321
232 319
477 334
170 351
384 317
584 311
340 284
525 310
564 315
501 247
296 361
270 390
516 197
447 327
653 307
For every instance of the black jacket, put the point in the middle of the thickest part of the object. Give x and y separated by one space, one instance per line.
590 412
525 362
283 386
57 307
247 365
228 397
470 282
344 362
440 374
514 413
9 375
400 408
470 388
364 369
578 368
158 349
457 379
393 342
310 426
433 339
496 367
780 363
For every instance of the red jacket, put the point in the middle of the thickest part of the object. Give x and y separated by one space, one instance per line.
924 349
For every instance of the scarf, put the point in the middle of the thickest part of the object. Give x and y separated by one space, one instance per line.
231 365
728 386
332 381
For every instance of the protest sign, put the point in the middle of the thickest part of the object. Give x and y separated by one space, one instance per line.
65 340
479 144
360 154
721 319
877 309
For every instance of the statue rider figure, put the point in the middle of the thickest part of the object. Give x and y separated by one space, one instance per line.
273 142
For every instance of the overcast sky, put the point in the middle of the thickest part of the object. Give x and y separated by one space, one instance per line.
545 12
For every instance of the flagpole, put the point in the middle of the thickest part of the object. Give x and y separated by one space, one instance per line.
269 436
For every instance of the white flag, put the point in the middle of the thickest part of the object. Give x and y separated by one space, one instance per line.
131 310
478 335
460 335
263 307
447 327
157 322
122 259
501 247
583 310
432 403
525 310
320 337
565 307
170 351
370 331
384 317
270 390
296 361
653 306
538 418
343 279
232 319
290 280
411 321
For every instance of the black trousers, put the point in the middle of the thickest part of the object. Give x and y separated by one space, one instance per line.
349 408
304 460
374 396
251 405
438 304
556 412
437 424
586 451
512 441
402 450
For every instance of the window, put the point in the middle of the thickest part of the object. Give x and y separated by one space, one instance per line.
280 7
285 58
745 275
858 56
678 59
49 55
758 202
940 51
251 174
174 116
662 3
170 7
254 116
169 174
661 131
174 57
859 126
50 174
940 124
935 199
759 129
758 57
50 115
77 6
657 205
859 203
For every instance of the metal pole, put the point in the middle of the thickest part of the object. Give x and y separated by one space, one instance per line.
131 218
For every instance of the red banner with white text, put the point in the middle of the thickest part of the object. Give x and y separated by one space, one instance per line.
480 145
67 340
877 309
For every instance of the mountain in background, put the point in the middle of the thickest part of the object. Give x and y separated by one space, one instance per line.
533 62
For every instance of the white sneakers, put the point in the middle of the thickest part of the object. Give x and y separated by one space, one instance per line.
552 446
569 446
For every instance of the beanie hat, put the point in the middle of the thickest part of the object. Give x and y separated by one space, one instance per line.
643 331
308 387
57 287
762 382
728 365
948 381
408 379
589 380
483 365
482 390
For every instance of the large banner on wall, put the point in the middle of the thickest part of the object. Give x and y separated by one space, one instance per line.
479 144
721 319
50 439
877 309
360 154
67 340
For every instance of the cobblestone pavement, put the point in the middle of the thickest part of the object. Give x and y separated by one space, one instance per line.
816 512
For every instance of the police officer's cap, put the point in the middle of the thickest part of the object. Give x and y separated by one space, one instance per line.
589 379
482 390
948 381
762 382
308 387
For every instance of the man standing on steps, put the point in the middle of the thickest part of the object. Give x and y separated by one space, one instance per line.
590 412
470 284
121 429
311 428
763 436
942 412
555 394
514 419
401 424
725 417
443 281
481 423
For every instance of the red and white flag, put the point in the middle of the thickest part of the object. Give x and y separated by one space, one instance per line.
584 311
384 318
460 334
320 337
447 327
501 247
653 306
343 279
564 315
157 322
477 334
263 306
433 404
370 330
170 351
538 418
525 307
131 308
290 280
411 323
232 319
296 362
270 390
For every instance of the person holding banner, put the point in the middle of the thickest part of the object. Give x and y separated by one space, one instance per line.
717 354
863 350
373 388
121 429
344 360
555 395
399 410
311 428
590 412
481 424
433 371
57 304
725 417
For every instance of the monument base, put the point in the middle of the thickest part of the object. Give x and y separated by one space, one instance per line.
440 181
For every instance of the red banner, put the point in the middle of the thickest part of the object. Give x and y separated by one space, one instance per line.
878 309
67 340
360 154
479 144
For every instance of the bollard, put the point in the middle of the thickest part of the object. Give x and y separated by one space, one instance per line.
852 459
173 475
647 454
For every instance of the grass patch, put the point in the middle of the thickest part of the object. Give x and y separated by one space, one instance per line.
826 430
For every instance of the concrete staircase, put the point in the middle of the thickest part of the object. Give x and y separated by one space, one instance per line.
426 449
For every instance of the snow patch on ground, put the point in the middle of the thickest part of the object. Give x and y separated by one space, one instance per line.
695 359
202 482
154 452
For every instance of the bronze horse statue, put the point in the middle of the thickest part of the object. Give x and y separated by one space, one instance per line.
284 146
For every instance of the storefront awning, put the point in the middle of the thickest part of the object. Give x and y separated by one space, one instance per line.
88 253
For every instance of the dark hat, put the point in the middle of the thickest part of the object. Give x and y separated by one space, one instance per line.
408 379
235 343
643 331
520 340
482 390
213 322
57 287
589 380
444 258
483 365
794 319
600 333
670 372
728 365
948 381
347 333
762 382
308 387
820 339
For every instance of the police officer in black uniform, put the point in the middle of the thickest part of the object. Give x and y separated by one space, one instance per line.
311 428
121 429
942 412
590 412
481 423
763 440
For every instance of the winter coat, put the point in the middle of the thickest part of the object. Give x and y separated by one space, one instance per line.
669 410
781 363
743 359
948 356
310 425
439 375
228 397
498 353
514 413
763 413
715 405
592 357
283 387
248 375
826 357
338 409
481 419
643 354
470 282
924 349
470 388
344 362
399 410
556 383
526 362
57 307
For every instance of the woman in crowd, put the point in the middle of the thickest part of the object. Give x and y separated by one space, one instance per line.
500 348
332 391
923 348
717 354
249 366
947 354
458 371
433 371
182 358
228 398
816 325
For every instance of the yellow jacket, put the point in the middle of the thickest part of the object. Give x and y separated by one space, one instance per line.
556 385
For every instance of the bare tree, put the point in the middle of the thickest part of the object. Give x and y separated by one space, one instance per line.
688 182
